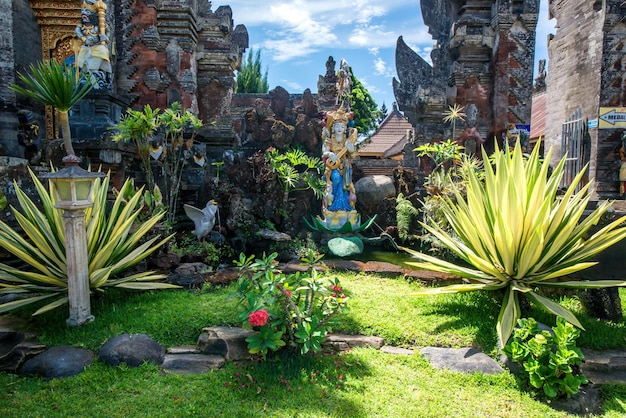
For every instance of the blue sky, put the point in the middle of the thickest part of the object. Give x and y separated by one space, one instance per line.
297 37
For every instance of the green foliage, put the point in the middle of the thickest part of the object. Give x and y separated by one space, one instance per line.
440 152
405 212
56 85
548 359
364 106
297 171
211 255
250 79
518 236
115 242
178 128
297 307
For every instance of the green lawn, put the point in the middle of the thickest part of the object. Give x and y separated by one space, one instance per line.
360 383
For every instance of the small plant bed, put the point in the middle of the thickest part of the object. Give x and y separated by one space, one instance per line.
361 382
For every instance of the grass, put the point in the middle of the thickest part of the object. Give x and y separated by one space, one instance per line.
360 383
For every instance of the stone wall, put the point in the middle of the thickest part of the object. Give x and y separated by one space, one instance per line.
586 70
484 57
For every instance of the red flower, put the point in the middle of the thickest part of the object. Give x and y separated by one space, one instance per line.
337 290
258 318
288 292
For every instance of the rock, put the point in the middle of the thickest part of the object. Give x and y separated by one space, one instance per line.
398 351
15 346
464 360
604 367
584 403
371 191
275 236
342 342
224 341
345 246
132 350
60 361
192 363
189 269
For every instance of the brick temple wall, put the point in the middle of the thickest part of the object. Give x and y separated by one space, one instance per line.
586 70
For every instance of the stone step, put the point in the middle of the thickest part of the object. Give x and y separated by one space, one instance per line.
192 363
604 367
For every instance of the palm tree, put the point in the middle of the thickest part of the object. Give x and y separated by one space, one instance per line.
57 85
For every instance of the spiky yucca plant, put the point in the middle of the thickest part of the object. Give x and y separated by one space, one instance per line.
519 236
114 244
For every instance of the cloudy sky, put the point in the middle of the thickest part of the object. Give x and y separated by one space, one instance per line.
297 37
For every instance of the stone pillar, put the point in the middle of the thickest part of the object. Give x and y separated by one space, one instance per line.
77 267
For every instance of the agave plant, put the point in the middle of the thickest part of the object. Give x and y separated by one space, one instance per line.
519 236
114 242
56 85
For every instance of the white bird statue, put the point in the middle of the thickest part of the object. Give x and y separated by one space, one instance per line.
203 219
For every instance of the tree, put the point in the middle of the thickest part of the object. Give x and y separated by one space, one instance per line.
364 107
382 114
57 85
250 79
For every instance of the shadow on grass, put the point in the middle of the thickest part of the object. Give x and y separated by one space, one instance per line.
473 311
317 383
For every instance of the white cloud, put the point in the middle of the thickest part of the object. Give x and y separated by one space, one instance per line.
382 69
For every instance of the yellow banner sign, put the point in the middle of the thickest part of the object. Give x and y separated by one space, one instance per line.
612 117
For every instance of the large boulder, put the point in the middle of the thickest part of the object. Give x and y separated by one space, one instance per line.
60 361
132 350
371 194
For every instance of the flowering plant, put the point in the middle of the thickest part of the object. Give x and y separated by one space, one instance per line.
292 310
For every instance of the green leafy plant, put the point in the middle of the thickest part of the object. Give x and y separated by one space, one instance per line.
518 236
405 212
297 171
178 128
549 359
56 85
114 244
211 254
292 310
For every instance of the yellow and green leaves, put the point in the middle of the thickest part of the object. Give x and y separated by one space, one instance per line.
518 234
113 245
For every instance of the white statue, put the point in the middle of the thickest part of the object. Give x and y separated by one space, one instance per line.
203 219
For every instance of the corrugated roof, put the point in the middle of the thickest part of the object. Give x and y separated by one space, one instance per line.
538 116
391 131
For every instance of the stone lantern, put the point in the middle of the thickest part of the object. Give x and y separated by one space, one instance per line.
73 187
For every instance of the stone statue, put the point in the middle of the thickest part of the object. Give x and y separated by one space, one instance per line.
91 44
622 168
203 219
28 136
338 150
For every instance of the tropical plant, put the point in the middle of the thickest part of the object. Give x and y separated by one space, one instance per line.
453 114
56 85
174 123
292 310
405 213
518 236
297 171
549 360
115 242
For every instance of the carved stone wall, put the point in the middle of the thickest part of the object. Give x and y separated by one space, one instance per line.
587 58
484 56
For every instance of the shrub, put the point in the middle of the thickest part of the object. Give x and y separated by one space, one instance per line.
292 310
549 359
